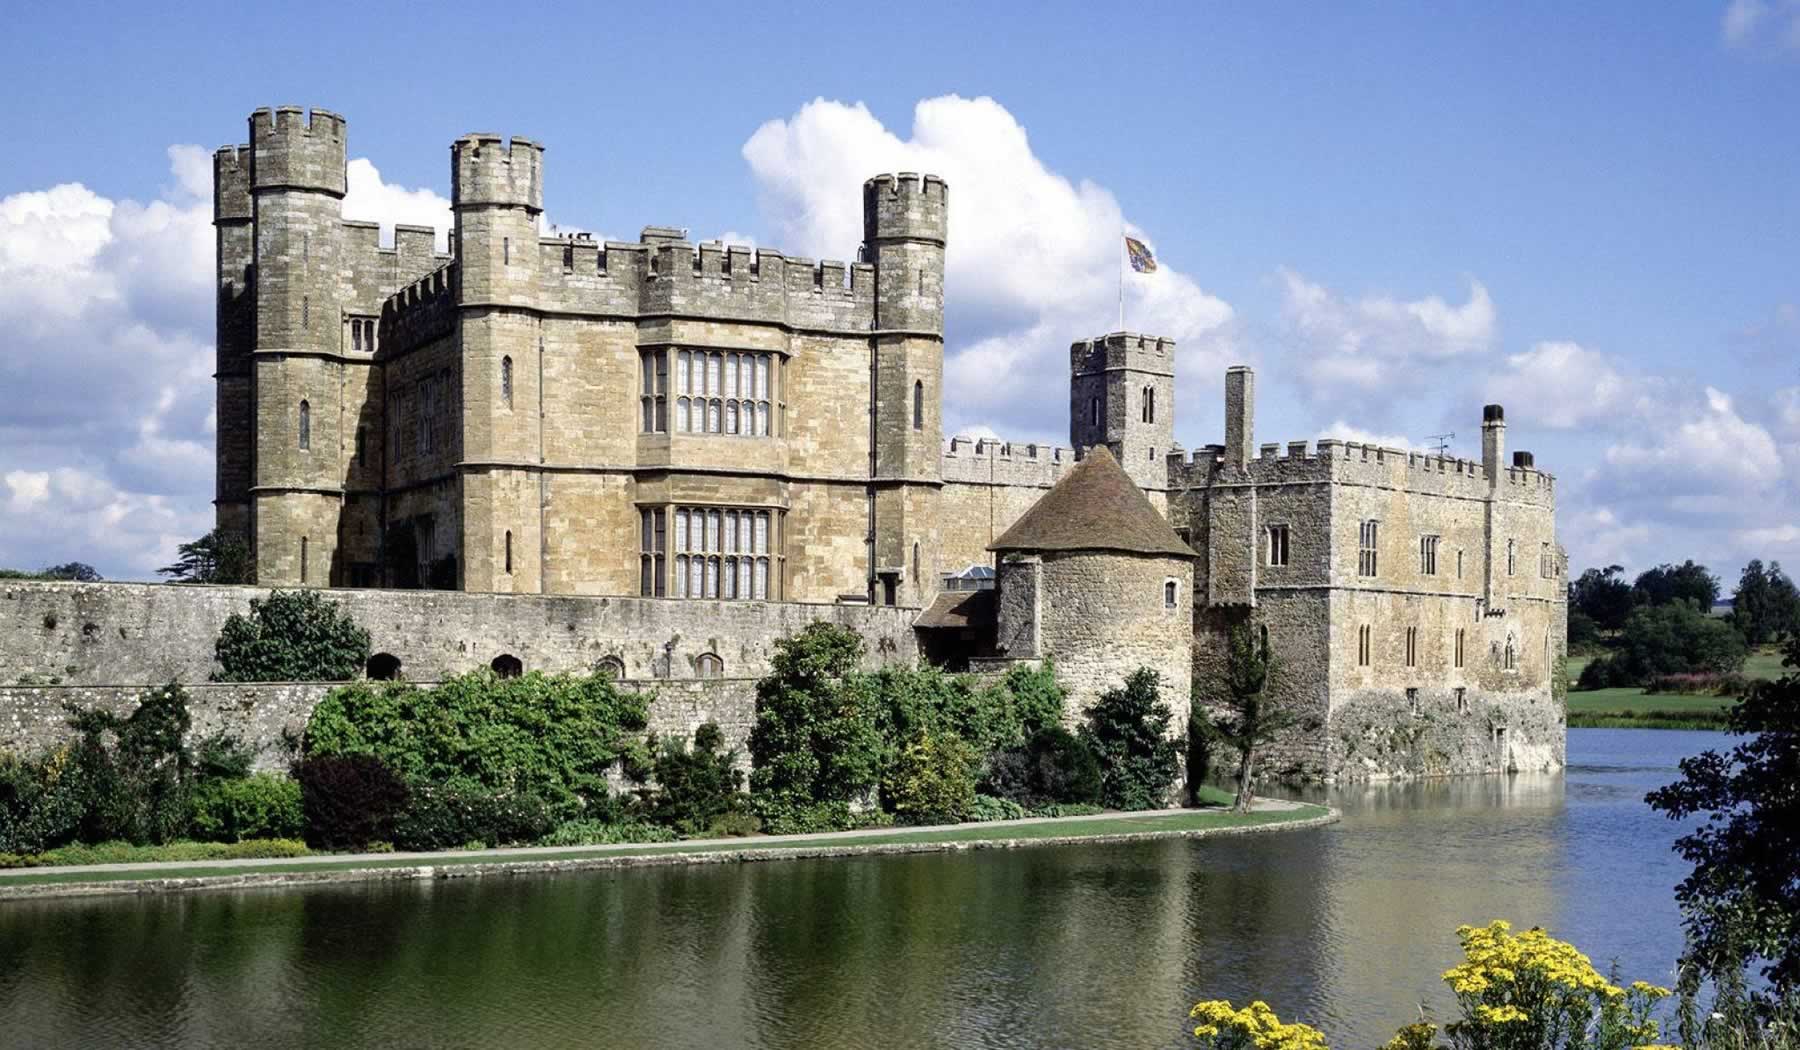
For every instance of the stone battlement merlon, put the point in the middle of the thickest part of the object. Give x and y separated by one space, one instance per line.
292 149
231 184
905 206
486 169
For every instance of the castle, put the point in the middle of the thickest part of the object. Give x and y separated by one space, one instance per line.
660 420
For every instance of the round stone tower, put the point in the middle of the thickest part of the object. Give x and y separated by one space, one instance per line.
297 192
1094 580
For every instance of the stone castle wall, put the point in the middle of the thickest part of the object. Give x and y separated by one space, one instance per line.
145 634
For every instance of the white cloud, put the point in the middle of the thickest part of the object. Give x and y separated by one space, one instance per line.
1033 257
106 435
1735 456
1342 431
368 198
1568 386
1773 24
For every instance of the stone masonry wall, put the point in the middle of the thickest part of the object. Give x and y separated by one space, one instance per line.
1102 616
143 634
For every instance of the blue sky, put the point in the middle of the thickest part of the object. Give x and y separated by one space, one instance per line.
1395 212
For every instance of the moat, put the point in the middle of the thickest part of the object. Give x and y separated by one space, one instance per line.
1347 927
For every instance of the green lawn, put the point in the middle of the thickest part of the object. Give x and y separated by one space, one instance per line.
1068 827
1632 707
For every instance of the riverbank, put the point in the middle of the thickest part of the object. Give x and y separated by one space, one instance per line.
93 879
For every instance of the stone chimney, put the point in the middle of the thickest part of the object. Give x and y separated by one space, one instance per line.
1493 442
1240 416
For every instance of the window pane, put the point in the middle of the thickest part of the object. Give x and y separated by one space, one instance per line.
762 577
681 571
731 375
681 530
712 577
731 532
712 530
762 376
712 417
695 570
744 578
731 417
644 581
712 375
681 372
762 533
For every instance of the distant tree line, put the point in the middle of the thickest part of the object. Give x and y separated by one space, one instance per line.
76 571
1660 625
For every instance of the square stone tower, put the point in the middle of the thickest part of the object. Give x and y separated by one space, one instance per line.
1122 396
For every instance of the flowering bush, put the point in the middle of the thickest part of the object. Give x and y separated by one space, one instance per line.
1255 1027
1531 990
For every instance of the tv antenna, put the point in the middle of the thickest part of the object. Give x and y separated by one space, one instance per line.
1441 442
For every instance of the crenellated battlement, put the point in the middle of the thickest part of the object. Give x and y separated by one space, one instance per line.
1133 350
990 461
664 273
231 184
420 310
1356 462
292 149
905 206
486 169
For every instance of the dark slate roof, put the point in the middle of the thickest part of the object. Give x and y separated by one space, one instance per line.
959 609
1095 507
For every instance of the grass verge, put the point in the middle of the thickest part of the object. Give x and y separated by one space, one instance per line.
1075 828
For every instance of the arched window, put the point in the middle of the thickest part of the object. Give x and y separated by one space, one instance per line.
383 667
509 552
919 581
1149 404
304 544
305 426
710 666
610 666
1170 591
918 404
1094 411
506 665
506 381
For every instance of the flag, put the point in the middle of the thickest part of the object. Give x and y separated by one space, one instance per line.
1141 259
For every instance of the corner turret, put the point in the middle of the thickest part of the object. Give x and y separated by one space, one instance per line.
905 222
295 150
497 194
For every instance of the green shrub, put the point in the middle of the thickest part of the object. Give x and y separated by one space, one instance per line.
442 817
349 800
549 736
780 817
816 739
127 853
1066 809
1128 729
137 788
223 756
987 807
260 806
694 789
932 780
1055 766
42 802
291 636
734 825
1676 638
602 833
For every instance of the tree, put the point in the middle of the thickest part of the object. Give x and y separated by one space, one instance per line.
1603 596
1128 729
1250 717
1668 639
217 557
291 636
1688 581
76 571
1766 604
815 737
1741 903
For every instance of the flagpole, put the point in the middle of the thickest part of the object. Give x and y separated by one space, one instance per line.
1121 278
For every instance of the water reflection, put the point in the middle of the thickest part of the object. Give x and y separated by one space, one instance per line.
1348 927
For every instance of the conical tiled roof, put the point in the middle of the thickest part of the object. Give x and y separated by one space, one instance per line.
1095 507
